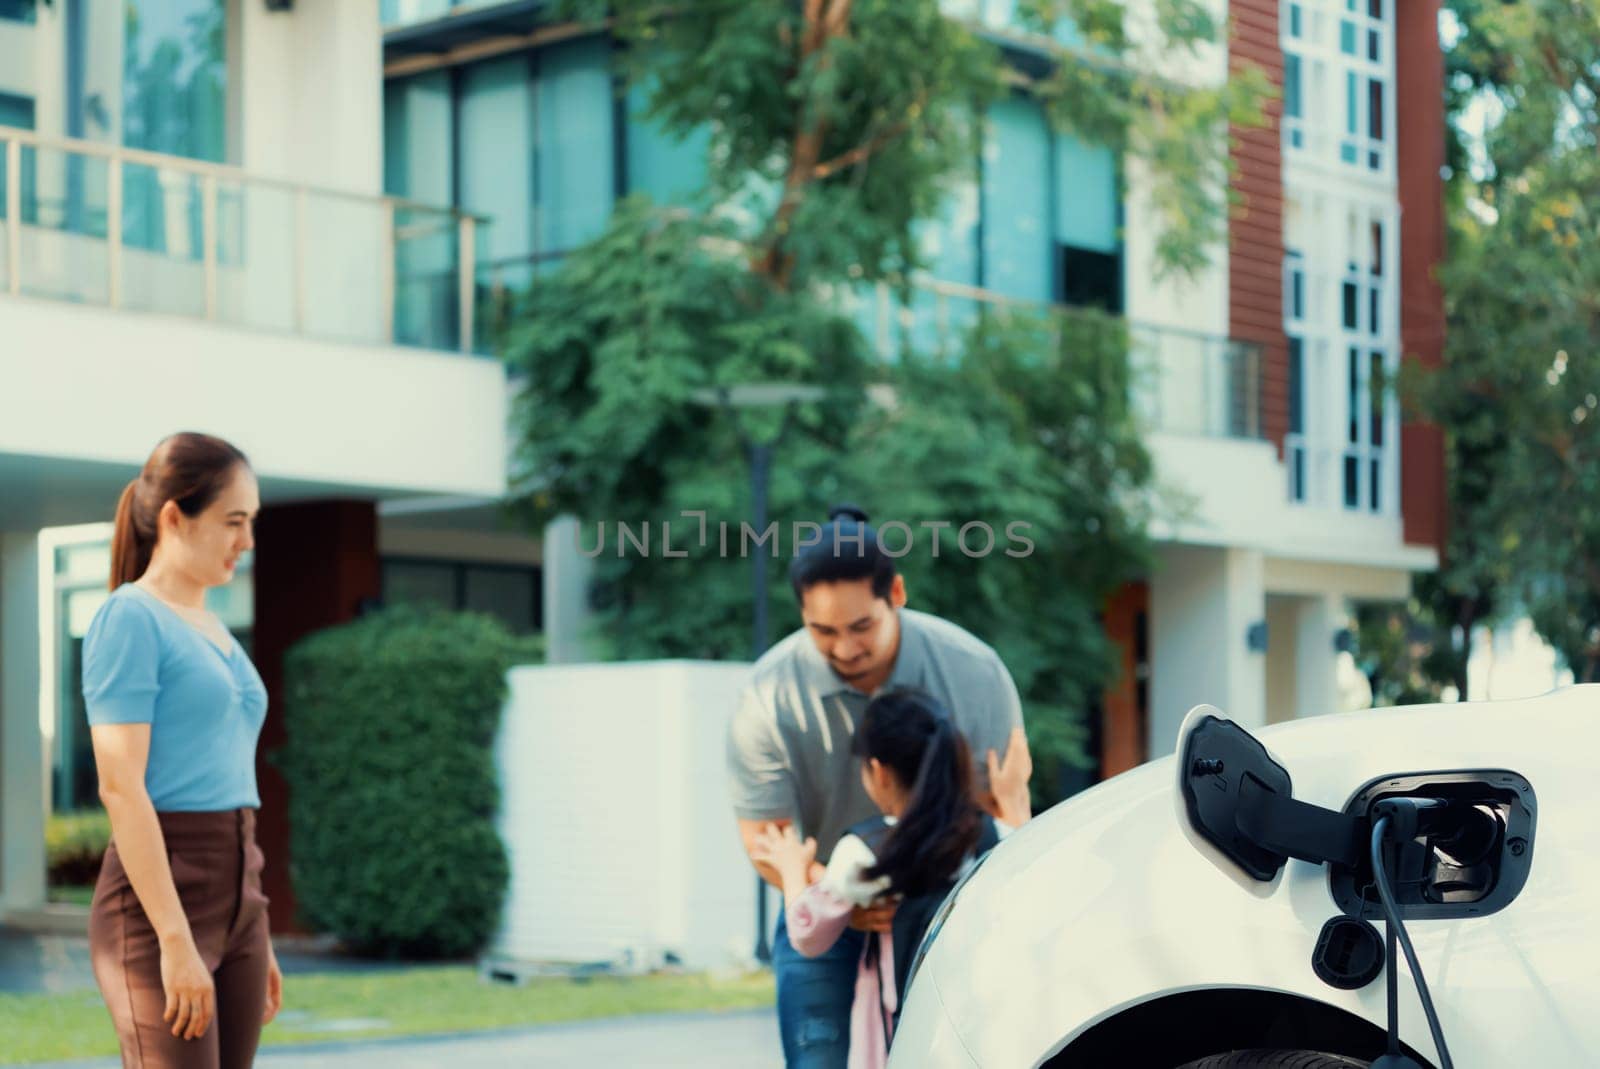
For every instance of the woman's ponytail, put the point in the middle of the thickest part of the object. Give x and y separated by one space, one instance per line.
130 550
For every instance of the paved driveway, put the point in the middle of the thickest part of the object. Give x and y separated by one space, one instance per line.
747 1040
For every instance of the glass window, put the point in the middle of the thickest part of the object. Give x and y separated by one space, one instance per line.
398 12
509 594
419 583
1353 399
1374 384
577 143
18 111
1085 194
1291 86
494 161
669 168
1296 385
1091 279
419 138
1017 249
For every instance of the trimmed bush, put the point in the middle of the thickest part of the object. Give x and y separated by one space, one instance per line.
74 844
391 724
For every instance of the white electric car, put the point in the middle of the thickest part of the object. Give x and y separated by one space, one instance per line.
1225 907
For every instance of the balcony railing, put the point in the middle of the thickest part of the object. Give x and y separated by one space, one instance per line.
128 229
1184 382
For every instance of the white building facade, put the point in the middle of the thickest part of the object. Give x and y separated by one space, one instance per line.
193 235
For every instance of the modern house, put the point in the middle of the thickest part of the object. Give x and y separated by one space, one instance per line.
280 221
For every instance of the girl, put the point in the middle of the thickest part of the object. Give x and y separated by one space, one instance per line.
178 926
917 770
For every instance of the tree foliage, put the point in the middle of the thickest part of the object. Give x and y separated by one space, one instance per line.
836 127
1517 392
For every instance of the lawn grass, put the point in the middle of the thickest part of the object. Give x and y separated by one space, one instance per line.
419 1001
72 895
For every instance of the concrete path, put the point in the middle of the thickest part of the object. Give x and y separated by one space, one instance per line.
746 1040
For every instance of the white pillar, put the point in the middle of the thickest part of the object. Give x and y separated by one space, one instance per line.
1204 605
1318 621
1283 629
22 757
567 575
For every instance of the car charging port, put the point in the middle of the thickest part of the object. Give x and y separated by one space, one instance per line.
1462 843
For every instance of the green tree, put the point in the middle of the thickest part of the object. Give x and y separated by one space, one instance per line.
836 127
1517 392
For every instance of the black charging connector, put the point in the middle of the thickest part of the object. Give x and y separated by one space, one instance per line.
1406 814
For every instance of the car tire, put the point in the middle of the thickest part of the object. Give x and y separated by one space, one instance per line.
1275 1059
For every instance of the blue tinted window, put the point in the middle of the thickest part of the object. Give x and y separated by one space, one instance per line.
577 142
669 168
174 101
1086 195
495 165
419 141
1017 228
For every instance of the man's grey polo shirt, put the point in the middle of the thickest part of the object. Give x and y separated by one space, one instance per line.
789 744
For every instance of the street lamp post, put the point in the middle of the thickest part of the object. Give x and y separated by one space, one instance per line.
760 455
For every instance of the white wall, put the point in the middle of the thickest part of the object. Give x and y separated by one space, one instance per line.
1234 493
615 813
22 764
311 92
104 386
1202 604
1317 621
1196 303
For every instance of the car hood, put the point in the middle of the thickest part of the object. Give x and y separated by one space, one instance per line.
1104 901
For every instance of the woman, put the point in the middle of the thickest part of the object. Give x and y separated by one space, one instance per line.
178 928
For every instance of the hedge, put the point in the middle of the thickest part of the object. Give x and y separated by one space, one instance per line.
391 722
74 843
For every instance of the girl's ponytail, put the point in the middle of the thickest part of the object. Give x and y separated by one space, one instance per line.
912 734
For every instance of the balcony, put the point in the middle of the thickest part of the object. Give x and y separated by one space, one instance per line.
1184 382
138 231
321 331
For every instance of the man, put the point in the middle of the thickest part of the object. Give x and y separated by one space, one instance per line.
789 753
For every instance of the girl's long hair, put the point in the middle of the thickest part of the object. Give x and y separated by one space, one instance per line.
188 468
911 733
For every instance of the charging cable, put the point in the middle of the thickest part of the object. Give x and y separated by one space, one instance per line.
1400 817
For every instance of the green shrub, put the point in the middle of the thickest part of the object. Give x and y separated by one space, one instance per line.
74 844
391 722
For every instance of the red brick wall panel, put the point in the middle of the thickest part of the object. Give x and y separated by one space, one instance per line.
1255 226
1419 113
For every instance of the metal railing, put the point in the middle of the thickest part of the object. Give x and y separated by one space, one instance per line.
1183 381
137 230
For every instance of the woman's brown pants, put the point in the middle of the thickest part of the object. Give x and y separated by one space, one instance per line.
216 866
